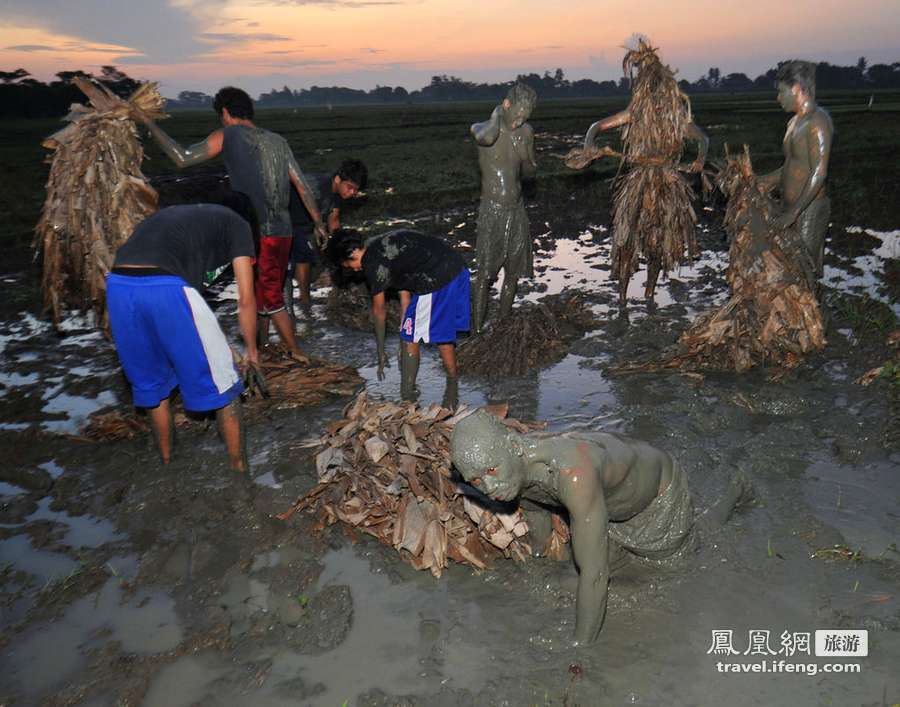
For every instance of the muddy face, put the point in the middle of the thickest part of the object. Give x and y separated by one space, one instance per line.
488 456
787 97
516 115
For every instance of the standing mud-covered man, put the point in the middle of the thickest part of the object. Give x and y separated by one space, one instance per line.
165 333
807 147
433 283
505 155
260 164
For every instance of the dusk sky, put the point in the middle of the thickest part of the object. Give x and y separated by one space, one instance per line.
265 44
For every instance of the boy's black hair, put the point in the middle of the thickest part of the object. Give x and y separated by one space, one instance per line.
241 205
800 73
354 171
340 249
236 100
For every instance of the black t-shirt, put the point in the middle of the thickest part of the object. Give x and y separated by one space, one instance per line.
188 241
409 260
326 199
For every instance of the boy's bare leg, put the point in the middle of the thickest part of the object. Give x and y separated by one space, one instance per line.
508 291
262 330
163 426
451 391
302 274
285 328
653 270
409 370
231 429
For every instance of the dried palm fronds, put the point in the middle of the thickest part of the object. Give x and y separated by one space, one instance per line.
290 384
773 316
660 110
652 212
532 336
96 195
385 469
351 306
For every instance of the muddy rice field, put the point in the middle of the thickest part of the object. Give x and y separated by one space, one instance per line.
122 582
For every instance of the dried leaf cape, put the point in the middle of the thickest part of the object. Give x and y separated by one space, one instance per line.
96 195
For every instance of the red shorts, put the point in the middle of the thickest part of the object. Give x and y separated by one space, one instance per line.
271 266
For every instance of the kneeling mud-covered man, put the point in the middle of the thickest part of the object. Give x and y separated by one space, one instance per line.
620 494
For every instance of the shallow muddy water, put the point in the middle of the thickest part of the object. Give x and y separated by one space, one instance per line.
124 582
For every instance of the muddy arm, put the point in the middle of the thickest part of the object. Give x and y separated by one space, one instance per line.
243 275
614 121
186 156
582 495
305 192
486 133
379 314
693 132
524 142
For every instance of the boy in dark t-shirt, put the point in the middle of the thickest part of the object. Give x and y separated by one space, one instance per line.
433 283
165 333
331 192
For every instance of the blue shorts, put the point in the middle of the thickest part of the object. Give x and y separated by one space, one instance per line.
436 317
166 335
301 250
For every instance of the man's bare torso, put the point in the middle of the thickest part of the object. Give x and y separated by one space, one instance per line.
797 150
501 167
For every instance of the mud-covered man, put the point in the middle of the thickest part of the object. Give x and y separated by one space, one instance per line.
807 148
260 164
331 193
621 494
505 155
433 283
166 335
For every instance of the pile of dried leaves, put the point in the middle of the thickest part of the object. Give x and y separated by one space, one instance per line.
772 317
532 336
96 195
384 469
290 384
350 307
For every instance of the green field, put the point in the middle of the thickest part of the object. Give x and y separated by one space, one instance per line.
424 155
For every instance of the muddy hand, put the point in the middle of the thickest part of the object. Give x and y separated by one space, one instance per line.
255 381
321 234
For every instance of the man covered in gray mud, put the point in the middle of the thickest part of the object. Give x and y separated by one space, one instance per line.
621 495
332 191
433 283
260 164
807 147
505 155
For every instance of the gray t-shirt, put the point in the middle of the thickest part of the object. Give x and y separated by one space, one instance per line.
259 163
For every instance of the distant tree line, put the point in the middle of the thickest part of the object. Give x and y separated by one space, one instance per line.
23 96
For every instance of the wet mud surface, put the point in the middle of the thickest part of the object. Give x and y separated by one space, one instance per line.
126 583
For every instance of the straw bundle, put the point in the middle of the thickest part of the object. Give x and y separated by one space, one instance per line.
290 384
351 306
532 336
384 469
773 316
96 195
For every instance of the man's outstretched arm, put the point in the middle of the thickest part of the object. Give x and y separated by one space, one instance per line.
694 132
243 275
616 120
186 156
379 314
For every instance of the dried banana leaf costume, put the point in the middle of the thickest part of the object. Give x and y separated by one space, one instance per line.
96 195
652 212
